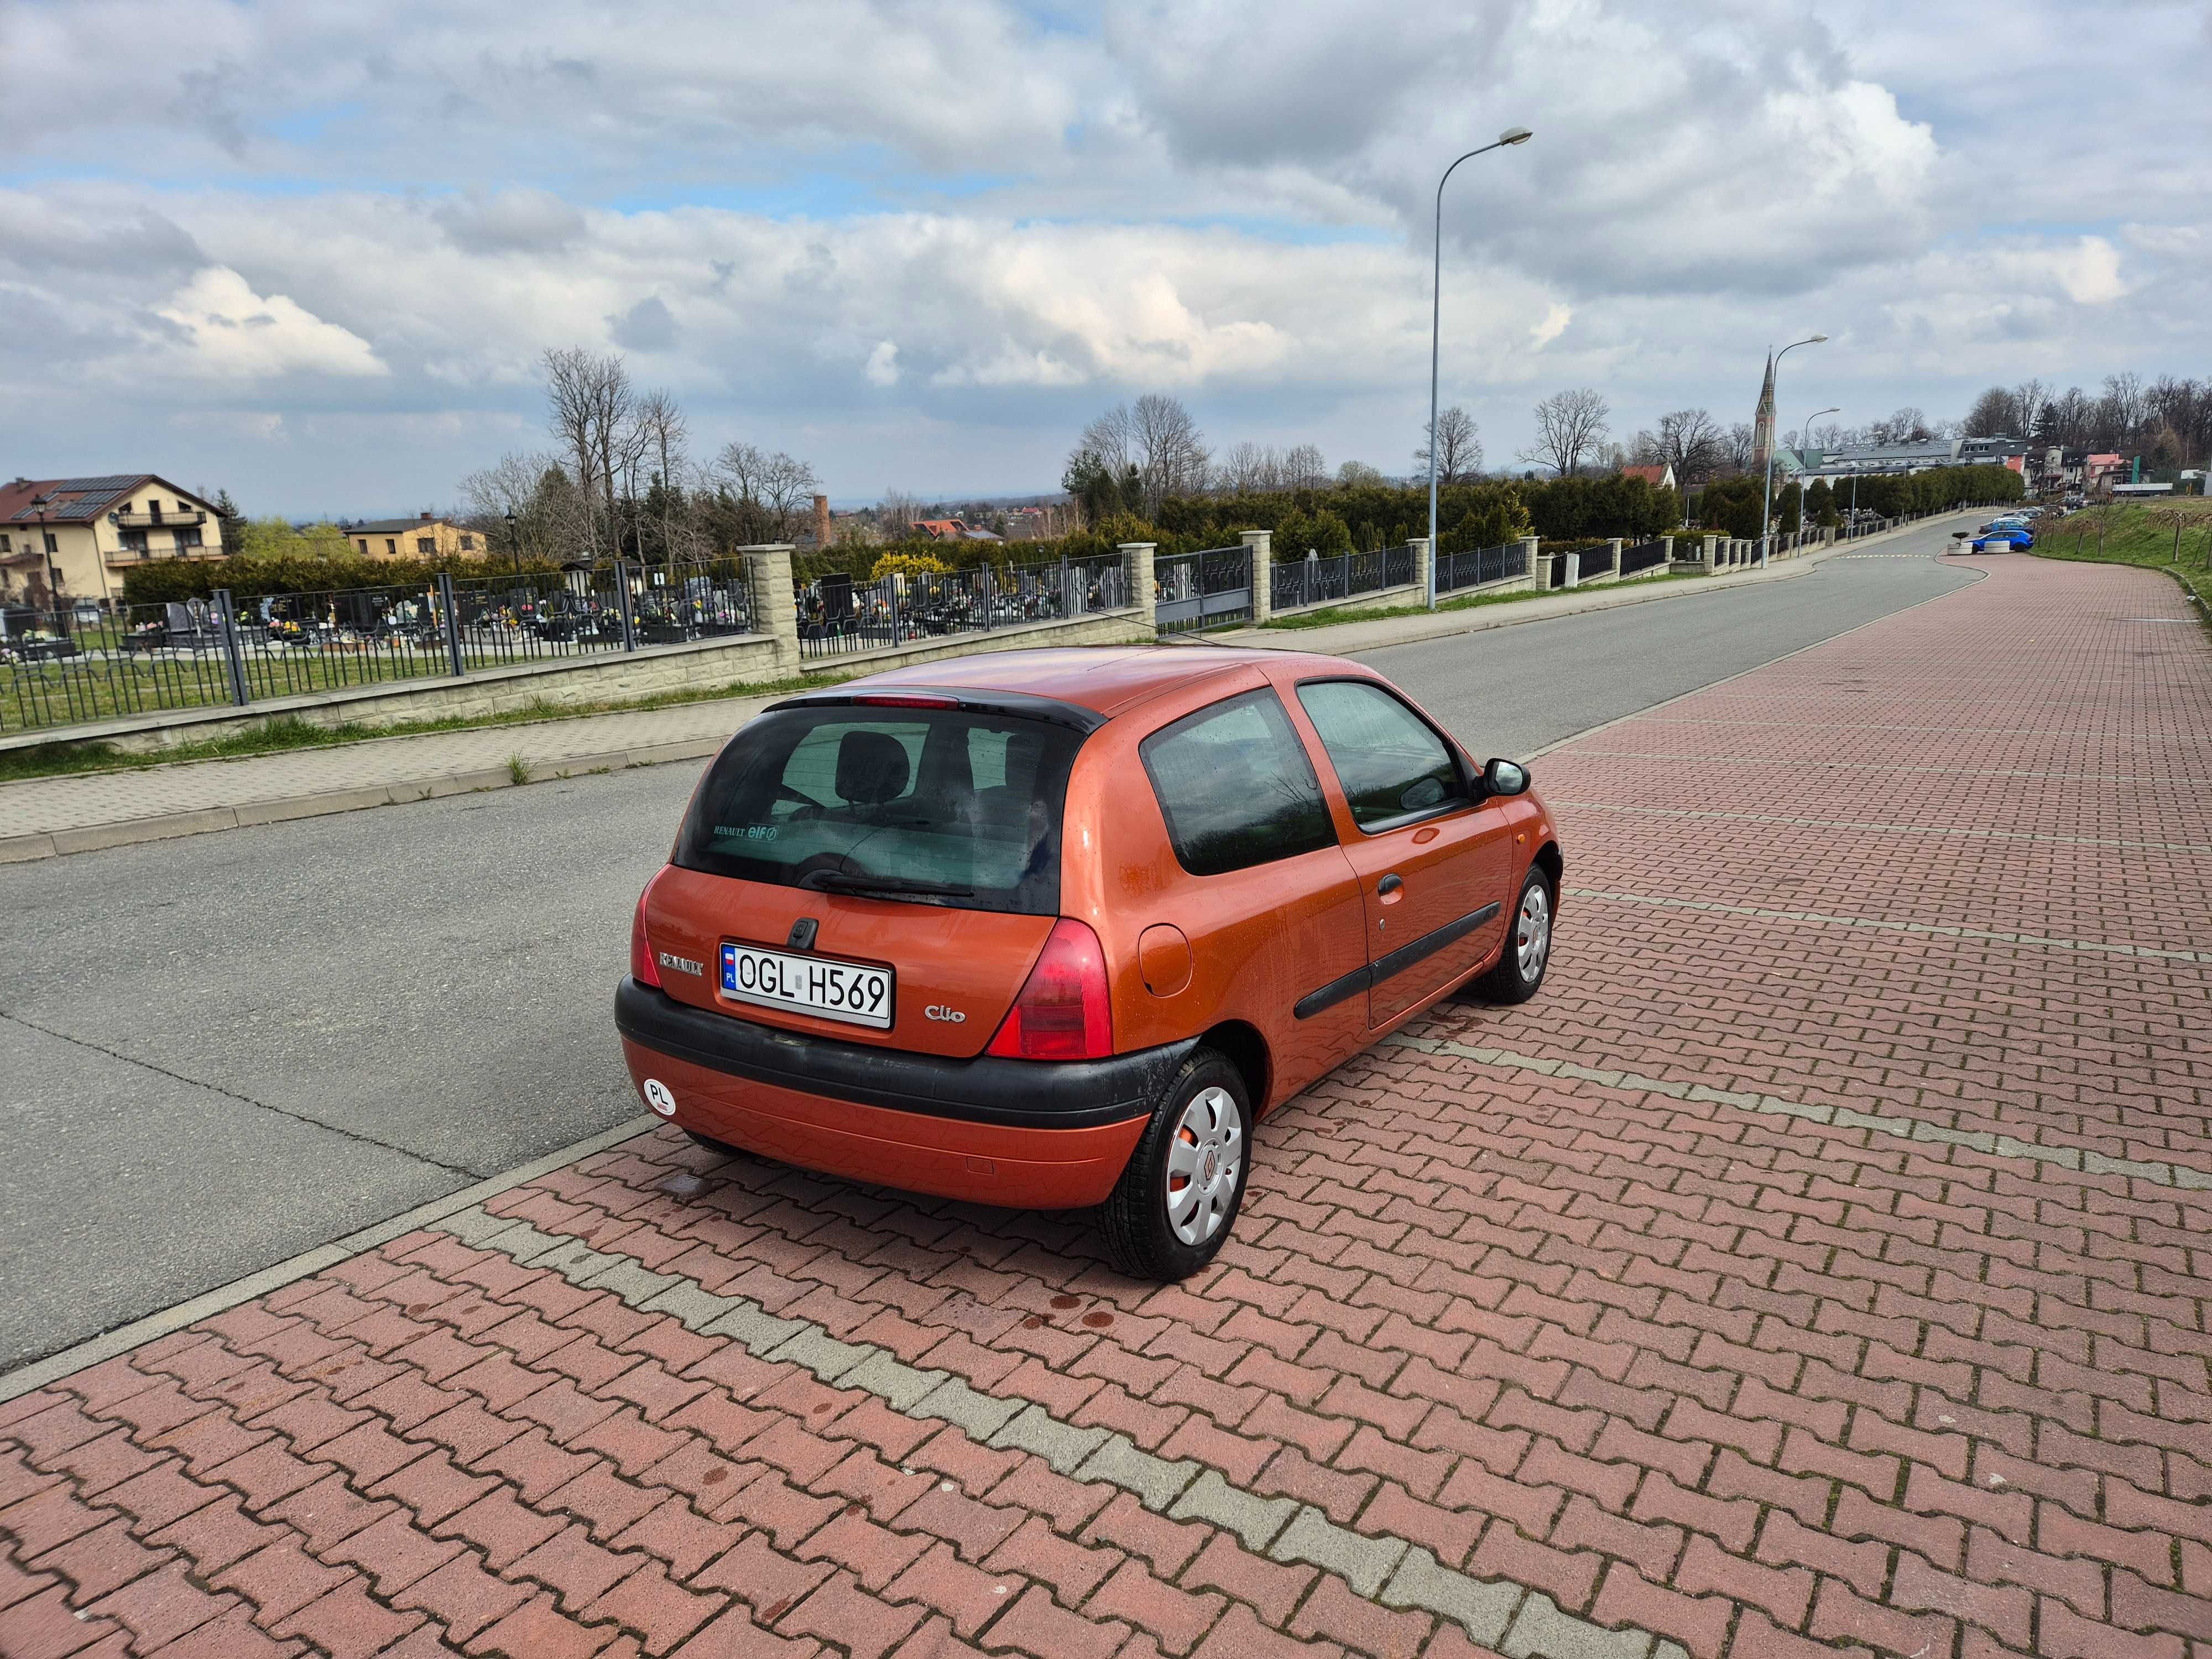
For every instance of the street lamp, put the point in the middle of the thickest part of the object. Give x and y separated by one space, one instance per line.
1766 497
514 544
1804 437
39 505
1510 135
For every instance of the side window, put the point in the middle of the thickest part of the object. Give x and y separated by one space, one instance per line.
1235 786
1390 763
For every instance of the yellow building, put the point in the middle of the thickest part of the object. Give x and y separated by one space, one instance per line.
424 537
72 539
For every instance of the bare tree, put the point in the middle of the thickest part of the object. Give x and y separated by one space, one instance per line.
572 379
897 513
1246 468
551 516
787 486
1304 467
1169 450
662 428
1570 425
2028 399
1739 445
767 488
1358 472
1995 411
2121 409
1688 440
1459 451
1905 426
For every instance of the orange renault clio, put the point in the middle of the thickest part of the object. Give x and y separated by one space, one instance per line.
1054 929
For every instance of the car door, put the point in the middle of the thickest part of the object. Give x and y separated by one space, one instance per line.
1433 861
1264 894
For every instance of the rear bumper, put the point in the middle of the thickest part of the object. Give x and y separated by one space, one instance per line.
1024 1133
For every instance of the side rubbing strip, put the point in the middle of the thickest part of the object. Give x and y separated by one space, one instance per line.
1334 992
1429 944
1397 962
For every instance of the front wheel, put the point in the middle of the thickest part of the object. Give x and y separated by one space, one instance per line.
1519 973
1171 1212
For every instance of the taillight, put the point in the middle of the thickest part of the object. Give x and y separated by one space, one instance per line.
642 966
1062 1012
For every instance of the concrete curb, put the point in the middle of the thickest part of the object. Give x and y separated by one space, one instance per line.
37 1373
125 832
1446 624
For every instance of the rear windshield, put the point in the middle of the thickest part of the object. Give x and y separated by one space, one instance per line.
968 803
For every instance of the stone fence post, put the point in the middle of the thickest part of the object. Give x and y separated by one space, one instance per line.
1612 552
1574 577
1261 546
1423 558
1139 557
775 612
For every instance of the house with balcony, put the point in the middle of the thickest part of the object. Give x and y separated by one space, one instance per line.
72 539
425 536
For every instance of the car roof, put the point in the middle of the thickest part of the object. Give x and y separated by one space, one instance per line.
1105 678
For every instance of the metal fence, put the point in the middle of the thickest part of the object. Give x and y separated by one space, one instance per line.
1315 580
67 667
1643 556
1480 566
1202 589
838 615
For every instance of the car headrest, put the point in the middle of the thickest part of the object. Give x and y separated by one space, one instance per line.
872 768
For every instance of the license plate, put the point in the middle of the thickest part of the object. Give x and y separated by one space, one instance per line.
808 985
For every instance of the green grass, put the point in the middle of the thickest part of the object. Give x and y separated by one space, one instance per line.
2133 533
1352 613
288 731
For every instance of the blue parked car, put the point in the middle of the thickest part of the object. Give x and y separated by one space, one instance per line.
2004 538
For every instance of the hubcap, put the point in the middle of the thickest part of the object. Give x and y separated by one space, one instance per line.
1532 933
1205 1161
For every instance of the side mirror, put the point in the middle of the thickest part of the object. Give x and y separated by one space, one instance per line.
1505 777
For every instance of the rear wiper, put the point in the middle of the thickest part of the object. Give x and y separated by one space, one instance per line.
836 881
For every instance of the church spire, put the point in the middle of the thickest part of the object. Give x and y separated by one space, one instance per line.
1762 434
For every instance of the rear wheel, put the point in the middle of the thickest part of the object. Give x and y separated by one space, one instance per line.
1519 973
1171 1212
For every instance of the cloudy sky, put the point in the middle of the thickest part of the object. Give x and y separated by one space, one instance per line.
311 250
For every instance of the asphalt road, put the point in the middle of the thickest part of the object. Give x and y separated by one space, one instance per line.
218 1052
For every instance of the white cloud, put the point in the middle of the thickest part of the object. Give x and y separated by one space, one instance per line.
2089 271
226 331
1002 223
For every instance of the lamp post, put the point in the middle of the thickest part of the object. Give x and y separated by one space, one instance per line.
39 505
1766 497
514 544
1510 135
1804 437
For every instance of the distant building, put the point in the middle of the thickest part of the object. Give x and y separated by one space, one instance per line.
1660 477
952 530
82 534
425 536
1886 460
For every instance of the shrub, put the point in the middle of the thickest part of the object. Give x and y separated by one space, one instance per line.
906 564
1321 532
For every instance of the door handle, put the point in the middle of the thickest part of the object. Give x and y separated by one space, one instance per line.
1390 884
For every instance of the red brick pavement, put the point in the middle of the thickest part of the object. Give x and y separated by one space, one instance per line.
1713 1371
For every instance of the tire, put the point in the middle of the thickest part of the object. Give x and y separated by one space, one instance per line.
1205 1109
1518 973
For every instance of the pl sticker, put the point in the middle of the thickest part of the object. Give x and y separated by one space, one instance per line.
658 1097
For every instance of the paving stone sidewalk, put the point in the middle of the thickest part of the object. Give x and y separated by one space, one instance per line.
1815 1267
